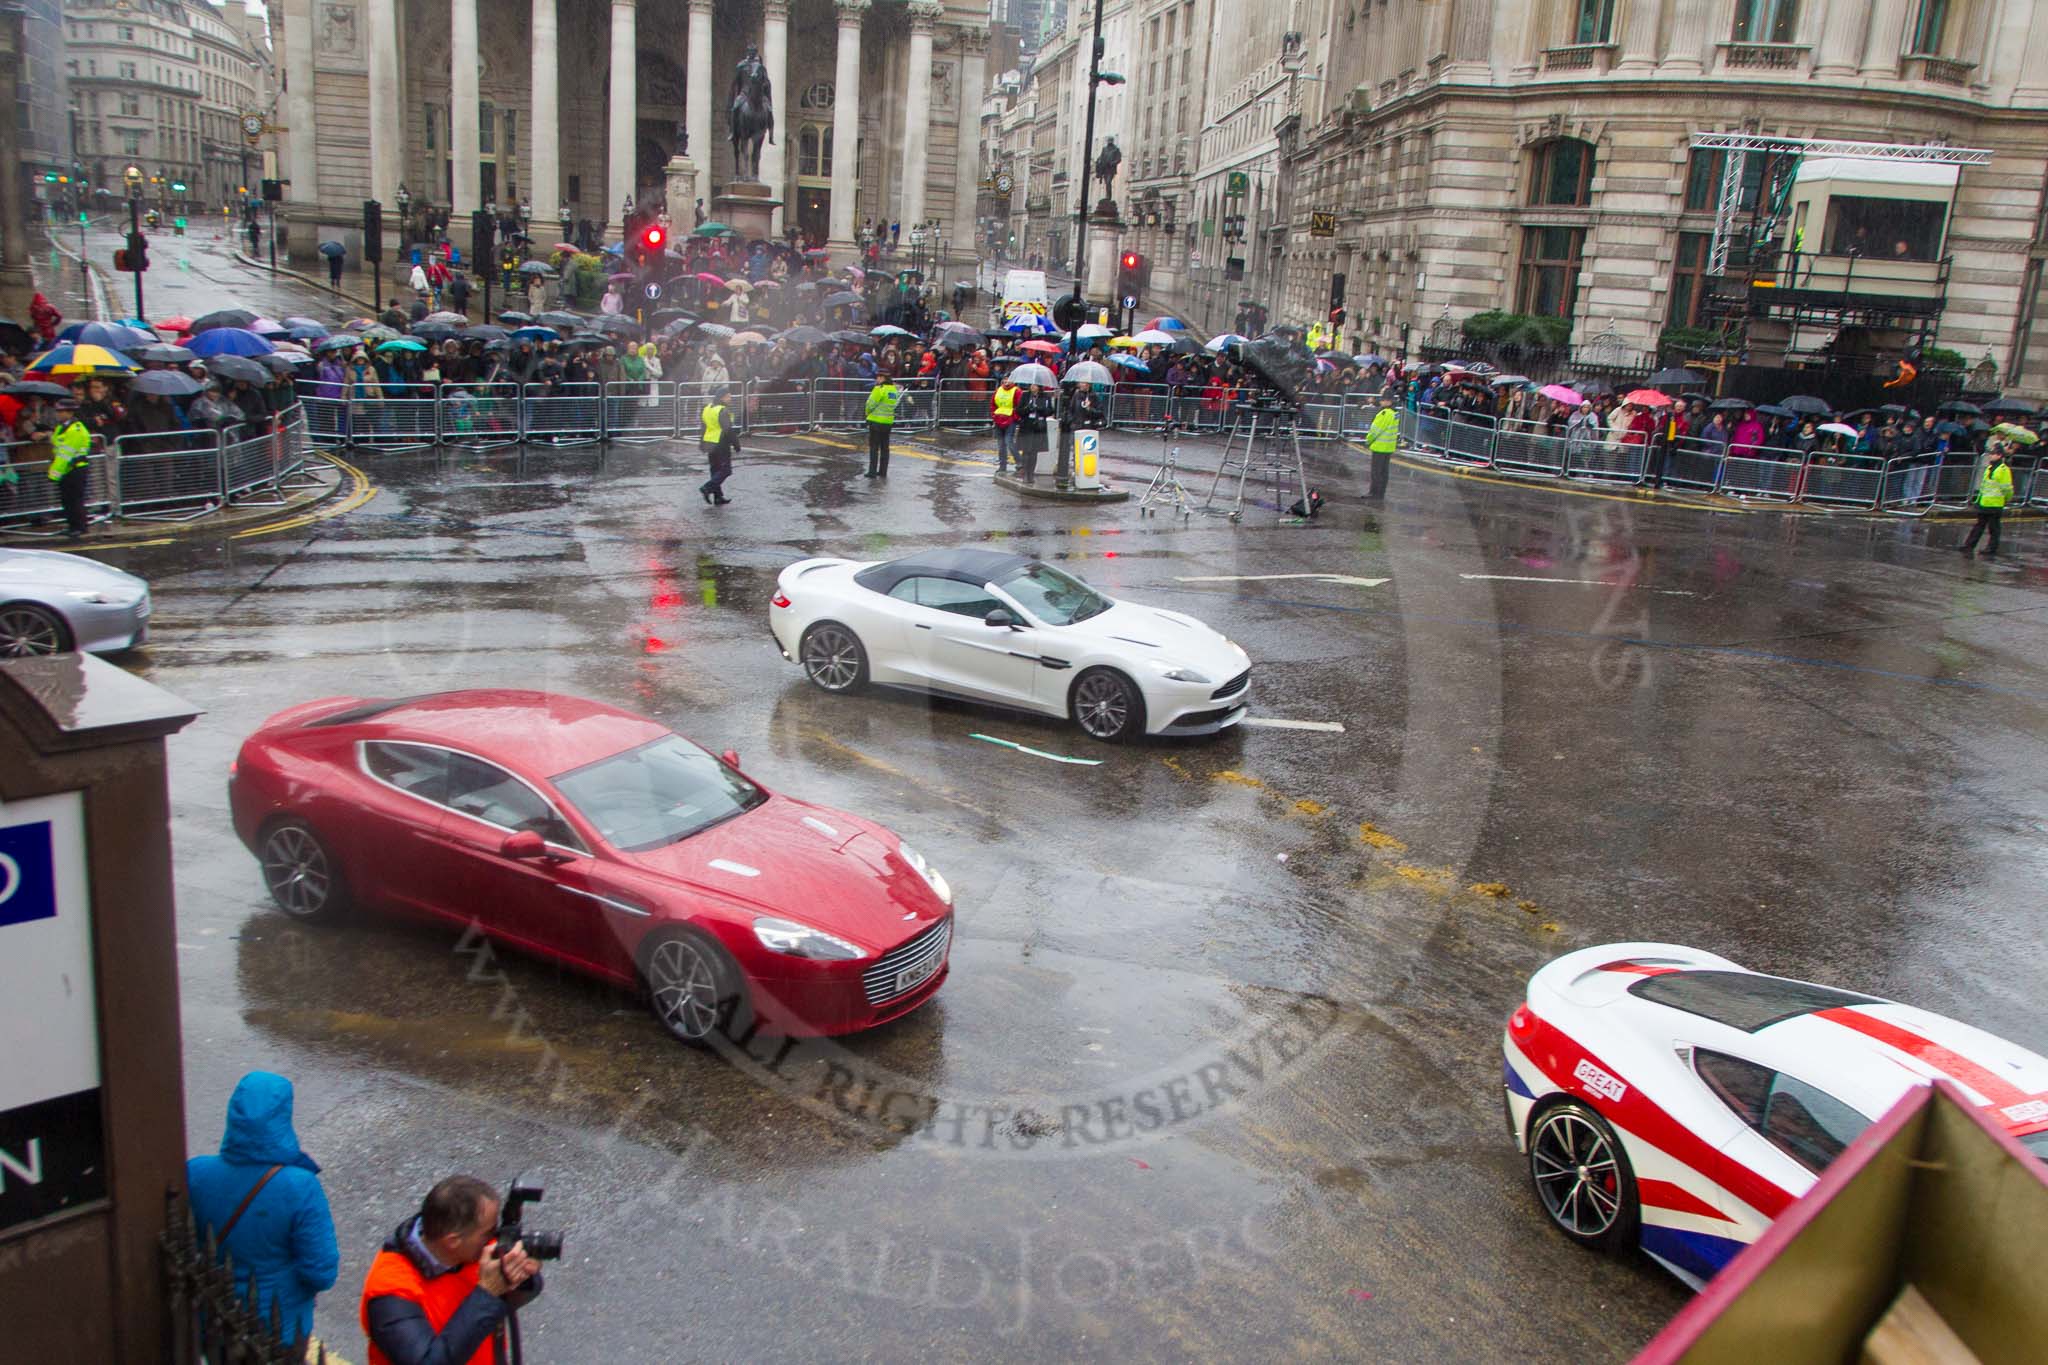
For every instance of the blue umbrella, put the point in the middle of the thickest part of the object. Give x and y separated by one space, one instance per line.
1370 359
1030 322
304 332
113 336
1130 362
536 334
228 341
338 343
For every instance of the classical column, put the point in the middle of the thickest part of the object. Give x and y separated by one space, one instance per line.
1887 41
1470 40
464 143
302 160
775 56
387 146
1686 53
625 112
543 127
1841 39
967 167
1638 38
917 109
697 93
846 122
2033 73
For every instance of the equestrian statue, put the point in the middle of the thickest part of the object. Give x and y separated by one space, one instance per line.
752 114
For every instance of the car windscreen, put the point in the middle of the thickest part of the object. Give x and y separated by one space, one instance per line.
1053 597
1742 1000
663 791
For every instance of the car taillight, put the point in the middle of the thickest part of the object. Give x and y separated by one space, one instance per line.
780 599
233 763
1519 1021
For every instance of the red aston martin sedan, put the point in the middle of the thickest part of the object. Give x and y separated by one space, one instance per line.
599 839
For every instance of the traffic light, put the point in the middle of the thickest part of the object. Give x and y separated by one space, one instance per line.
652 240
138 252
483 244
1130 274
1069 313
1336 317
373 229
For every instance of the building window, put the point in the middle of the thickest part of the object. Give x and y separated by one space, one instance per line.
1595 22
486 125
1549 281
1689 278
1930 27
1561 174
511 133
575 189
127 34
127 70
1894 229
131 106
814 151
1703 172
131 144
1766 21
433 123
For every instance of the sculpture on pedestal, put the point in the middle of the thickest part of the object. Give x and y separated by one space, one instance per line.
752 114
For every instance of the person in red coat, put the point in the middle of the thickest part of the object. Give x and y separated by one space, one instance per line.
44 317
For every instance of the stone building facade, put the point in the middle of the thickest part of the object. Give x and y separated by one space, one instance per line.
554 105
1535 157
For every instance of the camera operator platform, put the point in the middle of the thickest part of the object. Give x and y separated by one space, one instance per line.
1264 440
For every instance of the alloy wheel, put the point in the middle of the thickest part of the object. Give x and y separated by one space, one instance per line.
295 868
832 658
1577 1174
1102 704
684 985
27 630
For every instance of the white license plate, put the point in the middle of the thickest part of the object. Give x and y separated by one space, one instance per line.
917 976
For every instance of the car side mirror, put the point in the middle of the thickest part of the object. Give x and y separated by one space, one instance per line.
999 618
731 759
524 844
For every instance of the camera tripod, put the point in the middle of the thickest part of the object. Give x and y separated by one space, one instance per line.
1166 490
1260 426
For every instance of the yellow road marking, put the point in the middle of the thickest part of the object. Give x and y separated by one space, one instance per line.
896 452
364 491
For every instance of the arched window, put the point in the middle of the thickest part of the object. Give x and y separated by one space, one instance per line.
1561 173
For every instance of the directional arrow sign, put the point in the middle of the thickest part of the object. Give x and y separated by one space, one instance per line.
1274 577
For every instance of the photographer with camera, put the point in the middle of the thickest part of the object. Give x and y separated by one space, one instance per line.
449 1279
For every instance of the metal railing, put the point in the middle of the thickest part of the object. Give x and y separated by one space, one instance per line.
209 1322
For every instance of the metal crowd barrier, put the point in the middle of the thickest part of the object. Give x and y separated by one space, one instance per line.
563 414
640 411
171 476
161 476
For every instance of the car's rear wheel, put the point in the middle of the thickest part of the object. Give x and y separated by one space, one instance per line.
301 873
833 658
694 987
1106 704
1582 1177
27 629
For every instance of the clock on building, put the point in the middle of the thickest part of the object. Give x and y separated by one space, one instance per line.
1003 182
252 125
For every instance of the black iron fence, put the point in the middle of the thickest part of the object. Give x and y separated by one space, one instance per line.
210 1324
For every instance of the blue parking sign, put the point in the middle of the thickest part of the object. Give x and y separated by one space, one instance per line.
28 883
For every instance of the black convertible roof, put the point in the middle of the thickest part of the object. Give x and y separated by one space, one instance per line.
965 566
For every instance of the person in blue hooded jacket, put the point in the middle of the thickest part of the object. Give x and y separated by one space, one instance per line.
283 1237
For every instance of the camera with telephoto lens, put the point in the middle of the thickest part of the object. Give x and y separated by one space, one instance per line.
541 1244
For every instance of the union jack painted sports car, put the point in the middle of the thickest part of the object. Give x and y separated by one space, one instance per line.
1668 1098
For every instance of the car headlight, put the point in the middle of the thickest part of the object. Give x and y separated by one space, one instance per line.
940 887
94 596
801 940
1187 675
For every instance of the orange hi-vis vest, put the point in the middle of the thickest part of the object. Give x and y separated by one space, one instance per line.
392 1274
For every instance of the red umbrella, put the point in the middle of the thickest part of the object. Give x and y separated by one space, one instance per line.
1647 398
710 278
565 246
176 324
1042 347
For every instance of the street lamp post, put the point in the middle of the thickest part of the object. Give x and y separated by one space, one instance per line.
404 198
133 176
1097 78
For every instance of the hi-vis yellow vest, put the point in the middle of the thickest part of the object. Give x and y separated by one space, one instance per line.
714 423
882 401
70 444
1006 400
1997 485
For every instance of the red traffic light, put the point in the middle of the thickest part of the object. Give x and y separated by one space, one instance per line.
652 238
1130 260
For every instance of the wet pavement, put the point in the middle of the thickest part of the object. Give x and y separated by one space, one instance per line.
1217 1068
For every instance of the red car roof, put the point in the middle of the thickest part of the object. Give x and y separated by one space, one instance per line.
543 732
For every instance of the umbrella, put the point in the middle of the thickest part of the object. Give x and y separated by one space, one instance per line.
1895 409
344 342
1805 405
516 319
228 341
768 284
588 341
300 321
1676 378
1593 388
358 325
540 269
1090 330
1222 339
956 341
238 367
113 336
35 388
744 286
712 230
445 315
284 362
1373 360
1124 344
434 331
180 323
661 317
226 317
1956 407
1088 372
333 249
749 339
378 332
1647 398
13 335
1168 325
484 331
849 337
1561 394
891 330
1502 381
536 334
843 300
1130 362
619 277
307 332
566 246
167 383
1773 410
1997 407
1949 428
266 327
817 253
71 357
717 331
615 249
402 344
166 355
804 336
1153 336
613 322
1729 405
1838 429
2012 431
1042 347
1322 366
852 271
1032 373
560 321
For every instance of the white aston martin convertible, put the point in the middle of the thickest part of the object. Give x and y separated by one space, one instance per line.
993 627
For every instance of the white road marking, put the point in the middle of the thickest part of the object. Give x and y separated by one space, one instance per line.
1275 577
1583 582
1276 723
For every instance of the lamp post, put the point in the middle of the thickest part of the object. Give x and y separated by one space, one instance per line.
1097 78
133 175
404 197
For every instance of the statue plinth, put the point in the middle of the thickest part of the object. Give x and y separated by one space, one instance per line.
748 208
679 182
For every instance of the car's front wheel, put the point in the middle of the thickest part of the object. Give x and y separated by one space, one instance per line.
27 629
1582 1177
1106 704
693 987
301 873
833 658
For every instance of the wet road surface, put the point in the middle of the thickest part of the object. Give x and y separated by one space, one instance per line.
1217 1069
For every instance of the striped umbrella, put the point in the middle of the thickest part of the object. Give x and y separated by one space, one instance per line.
77 357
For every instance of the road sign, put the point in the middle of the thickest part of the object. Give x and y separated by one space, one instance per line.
652 289
1130 301
1237 184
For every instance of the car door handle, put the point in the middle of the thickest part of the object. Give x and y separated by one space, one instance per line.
920 625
